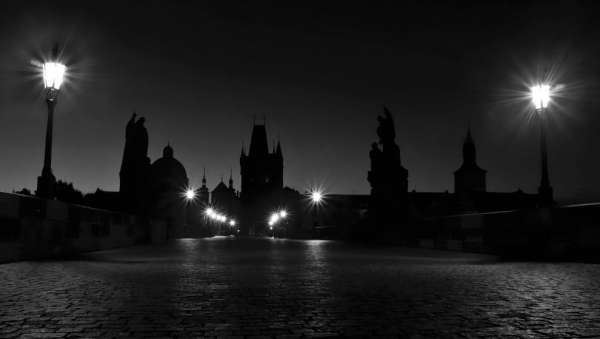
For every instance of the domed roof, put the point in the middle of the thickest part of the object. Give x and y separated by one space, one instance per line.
168 170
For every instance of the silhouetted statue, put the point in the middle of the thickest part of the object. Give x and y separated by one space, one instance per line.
388 179
376 158
135 166
141 138
386 130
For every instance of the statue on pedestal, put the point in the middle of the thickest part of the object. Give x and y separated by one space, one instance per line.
387 177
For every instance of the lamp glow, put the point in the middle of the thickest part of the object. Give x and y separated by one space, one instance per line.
540 95
53 74
283 214
232 222
316 196
190 194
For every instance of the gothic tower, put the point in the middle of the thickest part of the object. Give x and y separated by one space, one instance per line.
469 177
203 194
262 179
262 171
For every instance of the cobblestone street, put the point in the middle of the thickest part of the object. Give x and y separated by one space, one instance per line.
223 287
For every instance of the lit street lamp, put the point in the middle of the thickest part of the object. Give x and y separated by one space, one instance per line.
541 95
316 197
53 73
275 218
190 194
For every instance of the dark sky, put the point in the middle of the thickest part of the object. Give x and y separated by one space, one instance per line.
320 73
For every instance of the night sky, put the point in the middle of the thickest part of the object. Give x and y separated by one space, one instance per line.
200 73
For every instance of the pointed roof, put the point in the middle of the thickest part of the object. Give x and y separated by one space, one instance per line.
258 142
469 154
221 187
469 137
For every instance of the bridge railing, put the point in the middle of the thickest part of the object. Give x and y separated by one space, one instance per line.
563 231
31 227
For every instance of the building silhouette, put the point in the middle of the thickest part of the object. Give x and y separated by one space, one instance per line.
203 193
134 176
391 205
225 197
262 181
155 190
469 177
168 183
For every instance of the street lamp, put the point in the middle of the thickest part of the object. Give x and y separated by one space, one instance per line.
53 73
190 194
316 197
541 95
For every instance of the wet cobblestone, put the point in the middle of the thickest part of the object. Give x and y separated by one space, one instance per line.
291 289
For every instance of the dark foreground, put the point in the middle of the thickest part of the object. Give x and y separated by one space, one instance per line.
233 288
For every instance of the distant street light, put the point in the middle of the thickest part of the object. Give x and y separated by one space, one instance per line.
53 73
219 218
316 197
541 95
190 194
274 219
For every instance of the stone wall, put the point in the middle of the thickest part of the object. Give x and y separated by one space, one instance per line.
32 228
566 232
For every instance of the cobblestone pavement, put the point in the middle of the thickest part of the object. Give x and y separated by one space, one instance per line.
287 289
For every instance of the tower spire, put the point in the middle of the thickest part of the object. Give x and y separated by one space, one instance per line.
469 148
230 178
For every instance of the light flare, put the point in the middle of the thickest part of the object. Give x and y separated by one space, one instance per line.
53 73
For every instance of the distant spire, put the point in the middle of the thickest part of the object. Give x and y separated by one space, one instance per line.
469 148
258 142
469 137
204 176
230 178
168 151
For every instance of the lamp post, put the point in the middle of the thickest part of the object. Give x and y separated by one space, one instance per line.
540 95
316 199
53 73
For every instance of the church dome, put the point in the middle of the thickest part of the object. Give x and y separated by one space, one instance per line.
168 174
